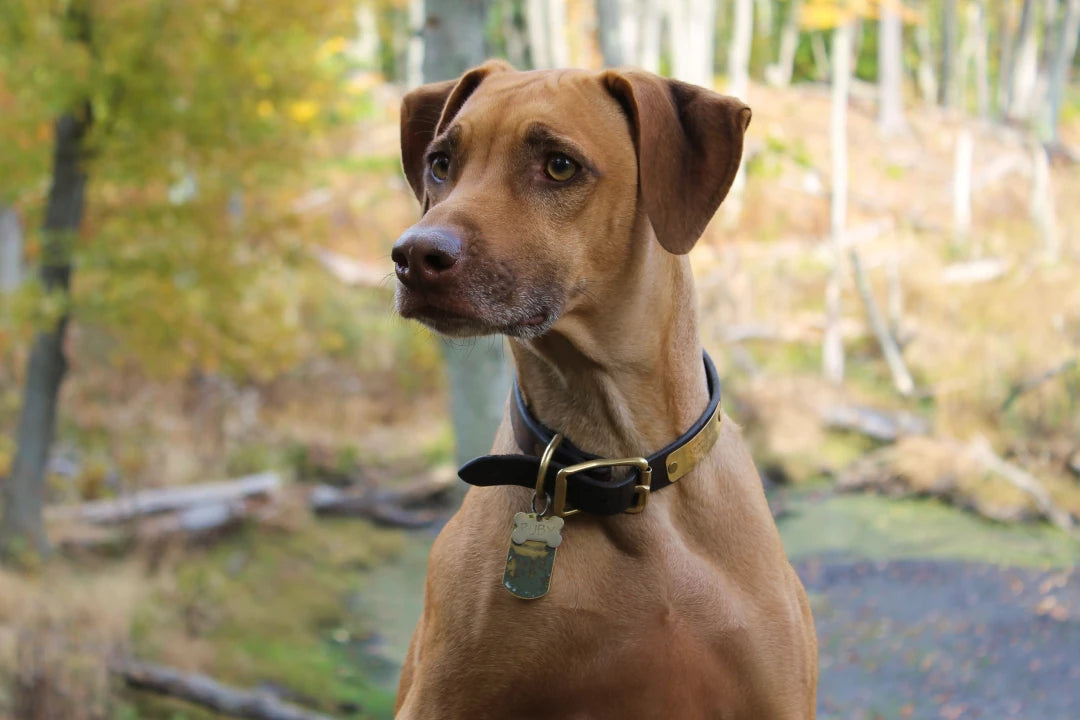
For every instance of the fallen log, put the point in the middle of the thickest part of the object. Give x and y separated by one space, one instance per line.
207 692
163 500
1035 381
893 358
950 470
384 506
980 450
193 524
973 272
880 425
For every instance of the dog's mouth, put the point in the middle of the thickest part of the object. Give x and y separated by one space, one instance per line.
457 316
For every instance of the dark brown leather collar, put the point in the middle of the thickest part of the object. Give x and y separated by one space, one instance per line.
595 491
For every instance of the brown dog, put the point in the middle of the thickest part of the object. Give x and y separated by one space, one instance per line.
558 209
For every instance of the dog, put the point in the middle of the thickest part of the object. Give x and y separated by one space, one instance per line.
558 208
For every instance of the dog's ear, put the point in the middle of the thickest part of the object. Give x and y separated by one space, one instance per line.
689 141
427 110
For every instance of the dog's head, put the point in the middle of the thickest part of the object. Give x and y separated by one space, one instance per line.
534 184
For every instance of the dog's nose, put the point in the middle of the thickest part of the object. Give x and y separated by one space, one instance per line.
423 256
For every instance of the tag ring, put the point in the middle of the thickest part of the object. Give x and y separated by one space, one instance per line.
545 460
547 504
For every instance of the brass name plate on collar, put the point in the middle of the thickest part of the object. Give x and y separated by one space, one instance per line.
681 461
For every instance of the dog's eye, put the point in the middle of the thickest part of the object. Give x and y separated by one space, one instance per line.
560 168
440 166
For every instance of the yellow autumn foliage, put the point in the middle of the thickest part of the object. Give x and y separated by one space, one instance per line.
207 115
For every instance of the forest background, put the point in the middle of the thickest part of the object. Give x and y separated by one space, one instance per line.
222 453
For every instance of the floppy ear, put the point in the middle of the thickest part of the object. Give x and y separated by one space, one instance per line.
689 141
427 110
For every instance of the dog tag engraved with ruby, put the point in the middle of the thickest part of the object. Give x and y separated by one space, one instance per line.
532 555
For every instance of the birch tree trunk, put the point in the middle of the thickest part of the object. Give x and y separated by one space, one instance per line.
821 56
739 50
365 49
965 148
691 28
649 36
11 250
414 57
623 30
948 92
978 27
477 371
927 79
901 377
1040 109
1062 63
890 69
22 527
1043 212
546 20
609 18
1023 73
515 32
764 10
965 57
1006 20
833 348
739 86
780 73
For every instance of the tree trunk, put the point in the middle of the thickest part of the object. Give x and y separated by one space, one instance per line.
649 35
629 32
207 692
1062 63
948 91
609 17
1043 212
833 348
414 55
890 69
11 250
897 368
691 32
22 528
453 35
1024 70
477 372
547 33
515 33
366 46
739 86
965 147
979 29
927 81
1050 22
742 36
858 35
764 10
780 73
965 56
1006 20
821 56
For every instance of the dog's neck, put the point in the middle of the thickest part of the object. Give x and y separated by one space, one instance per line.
621 374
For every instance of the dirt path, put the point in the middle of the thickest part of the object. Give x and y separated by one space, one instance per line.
903 636
942 639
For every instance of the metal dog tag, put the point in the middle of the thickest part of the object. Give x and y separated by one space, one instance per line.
532 555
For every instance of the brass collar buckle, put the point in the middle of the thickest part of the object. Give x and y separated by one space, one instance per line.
641 491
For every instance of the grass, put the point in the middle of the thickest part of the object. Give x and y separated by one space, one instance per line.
876 528
270 606
273 608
